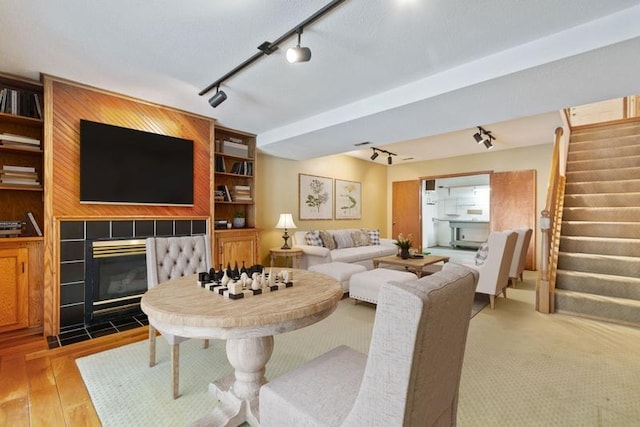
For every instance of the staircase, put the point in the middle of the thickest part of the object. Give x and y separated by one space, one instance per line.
598 272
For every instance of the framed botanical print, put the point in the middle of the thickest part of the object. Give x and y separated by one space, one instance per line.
315 197
348 200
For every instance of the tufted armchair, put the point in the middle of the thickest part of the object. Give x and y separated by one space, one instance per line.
170 258
520 254
411 375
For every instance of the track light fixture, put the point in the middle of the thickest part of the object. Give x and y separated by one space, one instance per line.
377 151
303 54
298 54
218 98
484 137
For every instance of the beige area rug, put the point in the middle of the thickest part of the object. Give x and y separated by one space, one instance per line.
521 368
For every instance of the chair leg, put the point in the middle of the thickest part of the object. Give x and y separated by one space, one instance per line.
205 344
504 291
492 301
152 346
175 369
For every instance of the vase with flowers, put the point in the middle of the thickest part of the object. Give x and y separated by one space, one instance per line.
404 244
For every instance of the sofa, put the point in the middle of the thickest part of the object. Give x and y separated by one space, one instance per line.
357 246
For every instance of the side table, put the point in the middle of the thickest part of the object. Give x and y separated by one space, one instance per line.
294 253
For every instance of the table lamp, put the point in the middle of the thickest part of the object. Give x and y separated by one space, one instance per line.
285 221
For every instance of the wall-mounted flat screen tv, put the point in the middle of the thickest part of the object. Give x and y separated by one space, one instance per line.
127 166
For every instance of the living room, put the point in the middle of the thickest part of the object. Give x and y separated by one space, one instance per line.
290 143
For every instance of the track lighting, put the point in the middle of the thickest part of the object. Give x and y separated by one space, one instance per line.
218 98
377 151
298 54
484 137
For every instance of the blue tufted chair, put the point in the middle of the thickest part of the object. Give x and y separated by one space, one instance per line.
170 258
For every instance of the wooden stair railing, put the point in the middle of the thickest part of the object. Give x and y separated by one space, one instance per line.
550 224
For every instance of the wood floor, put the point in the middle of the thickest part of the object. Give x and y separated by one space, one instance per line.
42 387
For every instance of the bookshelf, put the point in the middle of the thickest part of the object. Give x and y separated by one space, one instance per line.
21 152
234 194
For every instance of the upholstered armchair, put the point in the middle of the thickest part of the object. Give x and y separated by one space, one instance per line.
411 375
170 258
520 255
494 271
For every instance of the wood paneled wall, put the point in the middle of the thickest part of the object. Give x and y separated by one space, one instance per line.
71 102
65 104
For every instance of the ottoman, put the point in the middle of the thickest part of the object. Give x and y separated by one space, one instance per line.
366 286
341 271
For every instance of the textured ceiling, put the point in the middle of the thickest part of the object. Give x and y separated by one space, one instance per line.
384 71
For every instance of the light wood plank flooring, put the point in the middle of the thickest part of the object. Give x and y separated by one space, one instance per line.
42 387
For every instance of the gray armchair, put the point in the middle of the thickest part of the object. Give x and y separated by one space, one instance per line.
170 258
411 376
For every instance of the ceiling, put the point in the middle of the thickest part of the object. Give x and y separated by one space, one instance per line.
412 76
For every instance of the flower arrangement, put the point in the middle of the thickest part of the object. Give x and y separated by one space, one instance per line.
403 243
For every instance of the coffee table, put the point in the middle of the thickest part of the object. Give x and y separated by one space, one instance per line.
412 264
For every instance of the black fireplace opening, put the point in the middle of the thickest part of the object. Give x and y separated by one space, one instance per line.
115 279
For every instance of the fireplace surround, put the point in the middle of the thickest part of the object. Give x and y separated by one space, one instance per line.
78 235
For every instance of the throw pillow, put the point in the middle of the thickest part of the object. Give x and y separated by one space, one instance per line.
374 236
482 253
343 239
360 238
327 240
312 238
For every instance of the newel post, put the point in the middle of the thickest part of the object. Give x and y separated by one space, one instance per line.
542 288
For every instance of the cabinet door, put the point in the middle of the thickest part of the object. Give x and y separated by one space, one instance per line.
14 312
237 247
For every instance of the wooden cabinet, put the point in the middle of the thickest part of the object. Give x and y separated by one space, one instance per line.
14 303
21 152
239 246
234 196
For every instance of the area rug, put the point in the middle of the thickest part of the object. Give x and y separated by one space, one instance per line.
125 391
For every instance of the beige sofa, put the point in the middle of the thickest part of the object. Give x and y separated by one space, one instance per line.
343 251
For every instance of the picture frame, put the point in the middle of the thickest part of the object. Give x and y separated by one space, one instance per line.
315 197
348 204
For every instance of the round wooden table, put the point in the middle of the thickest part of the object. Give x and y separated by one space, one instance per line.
183 308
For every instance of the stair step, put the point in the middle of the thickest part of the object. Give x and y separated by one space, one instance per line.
603 214
599 284
607 131
602 200
601 264
630 230
611 309
598 163
601 246
577 144
614 174
593 187
604 152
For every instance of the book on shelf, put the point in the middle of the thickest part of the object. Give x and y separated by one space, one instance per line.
10 225
235 148
34 224
220 166
10 233
241 193
10 137
11 168
242 168
225 191
20 103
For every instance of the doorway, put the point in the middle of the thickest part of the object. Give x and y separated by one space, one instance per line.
456 214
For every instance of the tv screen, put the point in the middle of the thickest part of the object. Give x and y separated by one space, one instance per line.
127 166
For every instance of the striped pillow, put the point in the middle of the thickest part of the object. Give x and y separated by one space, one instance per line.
343 239
312 238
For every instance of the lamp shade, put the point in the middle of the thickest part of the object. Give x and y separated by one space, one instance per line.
285 221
